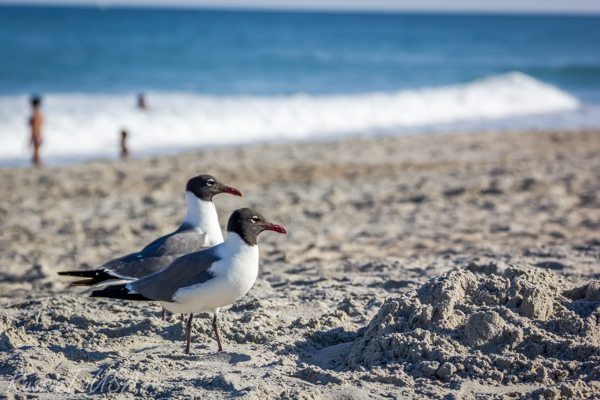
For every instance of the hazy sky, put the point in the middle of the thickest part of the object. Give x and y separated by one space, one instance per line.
535 6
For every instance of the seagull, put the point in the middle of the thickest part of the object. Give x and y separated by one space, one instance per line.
199 230
205 280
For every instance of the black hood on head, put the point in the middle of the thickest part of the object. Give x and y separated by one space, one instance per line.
205 187
249 223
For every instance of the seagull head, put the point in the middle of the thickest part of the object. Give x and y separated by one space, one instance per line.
204 187
248 224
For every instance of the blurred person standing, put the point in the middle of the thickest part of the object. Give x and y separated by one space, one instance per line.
124 149
35 122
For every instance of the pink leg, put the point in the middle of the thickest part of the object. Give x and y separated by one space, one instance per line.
182 317
189 334
214 325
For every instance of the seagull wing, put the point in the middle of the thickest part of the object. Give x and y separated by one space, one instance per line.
187 270
156 256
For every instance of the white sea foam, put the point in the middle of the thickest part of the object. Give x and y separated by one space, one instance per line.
87 125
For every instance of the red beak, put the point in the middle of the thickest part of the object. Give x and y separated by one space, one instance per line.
230 190
275 228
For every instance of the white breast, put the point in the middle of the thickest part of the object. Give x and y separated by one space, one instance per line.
202 215
235 275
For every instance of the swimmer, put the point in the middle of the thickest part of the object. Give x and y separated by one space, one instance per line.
142 102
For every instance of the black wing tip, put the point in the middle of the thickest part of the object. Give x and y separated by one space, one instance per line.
118 292
85 274
95 276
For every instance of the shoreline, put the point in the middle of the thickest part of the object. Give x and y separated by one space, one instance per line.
515 124
65 161
374 223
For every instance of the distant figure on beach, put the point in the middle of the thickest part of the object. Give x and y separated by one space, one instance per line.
35 122
142 102
124 150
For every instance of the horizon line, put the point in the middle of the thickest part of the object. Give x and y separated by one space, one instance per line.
106 6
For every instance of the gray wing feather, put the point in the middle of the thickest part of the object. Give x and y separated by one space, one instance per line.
175 243
156 255
187 270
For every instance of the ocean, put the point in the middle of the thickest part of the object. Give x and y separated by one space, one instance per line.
215 77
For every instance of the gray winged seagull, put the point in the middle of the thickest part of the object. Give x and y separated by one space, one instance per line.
199 230
205 280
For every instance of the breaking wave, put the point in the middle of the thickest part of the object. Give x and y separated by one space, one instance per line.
87 125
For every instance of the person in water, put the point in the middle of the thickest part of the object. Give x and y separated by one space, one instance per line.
35 122
124 149
142 102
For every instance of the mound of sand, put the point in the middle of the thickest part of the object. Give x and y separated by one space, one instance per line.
524 326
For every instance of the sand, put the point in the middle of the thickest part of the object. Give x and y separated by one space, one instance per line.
440 266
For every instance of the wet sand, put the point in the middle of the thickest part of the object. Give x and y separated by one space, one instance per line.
462 265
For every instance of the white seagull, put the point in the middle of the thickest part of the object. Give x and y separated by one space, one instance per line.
199 230
206 280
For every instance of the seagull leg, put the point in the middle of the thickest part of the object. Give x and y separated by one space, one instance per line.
214 325
182 317
164 313
189 334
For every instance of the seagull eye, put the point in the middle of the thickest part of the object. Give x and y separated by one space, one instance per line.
254 219
210 182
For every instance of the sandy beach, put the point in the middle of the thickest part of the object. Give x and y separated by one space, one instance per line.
449 266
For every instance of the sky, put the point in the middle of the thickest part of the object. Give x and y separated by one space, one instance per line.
502 6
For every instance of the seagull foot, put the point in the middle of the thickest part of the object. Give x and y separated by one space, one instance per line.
189 334
214 325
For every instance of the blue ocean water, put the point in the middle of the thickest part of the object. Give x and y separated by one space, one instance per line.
221 77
